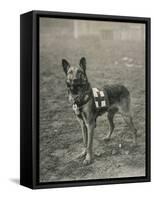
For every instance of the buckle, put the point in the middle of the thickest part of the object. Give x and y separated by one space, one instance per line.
76 109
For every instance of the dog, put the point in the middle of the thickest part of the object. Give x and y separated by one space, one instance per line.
81 96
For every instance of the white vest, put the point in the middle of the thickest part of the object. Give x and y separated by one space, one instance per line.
99 98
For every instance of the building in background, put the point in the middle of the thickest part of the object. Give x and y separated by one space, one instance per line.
109 30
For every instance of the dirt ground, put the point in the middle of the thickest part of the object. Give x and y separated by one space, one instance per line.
60 134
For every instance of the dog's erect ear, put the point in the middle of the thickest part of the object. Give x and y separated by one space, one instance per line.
83 63
65 65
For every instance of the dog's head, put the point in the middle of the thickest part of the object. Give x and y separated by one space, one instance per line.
76 77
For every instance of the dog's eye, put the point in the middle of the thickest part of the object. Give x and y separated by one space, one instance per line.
81 76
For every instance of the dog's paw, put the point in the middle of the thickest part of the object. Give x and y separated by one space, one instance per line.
87 160
107 139
97 154
82 154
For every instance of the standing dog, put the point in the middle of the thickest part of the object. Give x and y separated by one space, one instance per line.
81 97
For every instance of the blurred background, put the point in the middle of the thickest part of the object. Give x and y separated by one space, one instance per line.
101 42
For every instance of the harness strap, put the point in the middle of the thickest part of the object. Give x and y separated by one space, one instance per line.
82 99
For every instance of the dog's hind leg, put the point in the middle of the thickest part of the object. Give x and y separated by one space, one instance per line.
110 116
125 112
129 121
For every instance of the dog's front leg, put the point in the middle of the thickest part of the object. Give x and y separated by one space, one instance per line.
90 131
84 135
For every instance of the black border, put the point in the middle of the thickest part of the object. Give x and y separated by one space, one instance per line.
36 94
26 158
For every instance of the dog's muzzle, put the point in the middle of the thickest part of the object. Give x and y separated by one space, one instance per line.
73 88
75 85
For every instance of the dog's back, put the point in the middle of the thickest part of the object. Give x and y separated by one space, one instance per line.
116 93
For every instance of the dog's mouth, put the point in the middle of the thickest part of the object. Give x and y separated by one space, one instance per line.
74 88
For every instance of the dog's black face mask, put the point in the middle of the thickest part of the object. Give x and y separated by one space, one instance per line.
76 78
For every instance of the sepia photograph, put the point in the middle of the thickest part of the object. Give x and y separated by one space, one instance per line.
92 107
